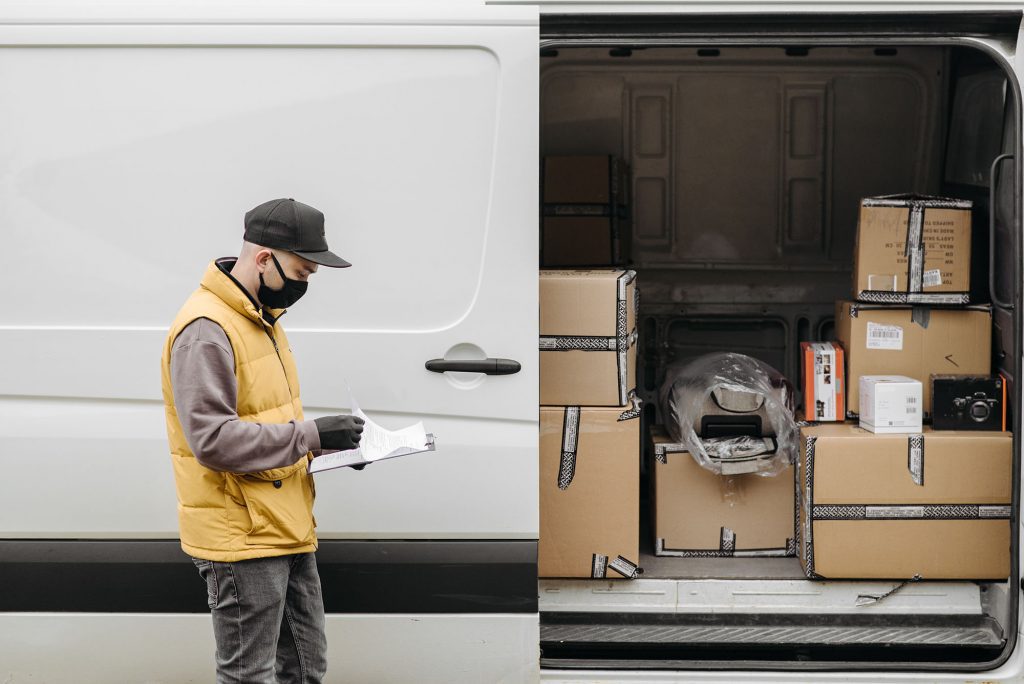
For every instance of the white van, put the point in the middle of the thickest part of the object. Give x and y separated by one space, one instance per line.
133 136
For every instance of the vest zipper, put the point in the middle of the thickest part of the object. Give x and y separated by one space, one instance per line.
277 351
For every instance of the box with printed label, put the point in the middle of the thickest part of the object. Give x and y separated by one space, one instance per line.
915 341
585 212
587 337
589 491
700 514
934 504
890 404
824 386
913 249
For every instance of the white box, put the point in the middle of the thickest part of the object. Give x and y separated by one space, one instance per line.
890 404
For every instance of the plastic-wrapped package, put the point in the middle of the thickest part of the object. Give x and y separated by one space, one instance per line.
733 412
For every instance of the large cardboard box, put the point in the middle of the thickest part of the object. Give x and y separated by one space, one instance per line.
589 491
915 341
935 504
698 513
913 249
585 213
587 337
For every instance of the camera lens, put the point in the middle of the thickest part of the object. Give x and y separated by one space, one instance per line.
979 411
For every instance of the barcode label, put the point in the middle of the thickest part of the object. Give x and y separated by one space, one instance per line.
911 400
932 278
911 410
884 337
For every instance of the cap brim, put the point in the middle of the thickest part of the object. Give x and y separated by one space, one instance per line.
325 258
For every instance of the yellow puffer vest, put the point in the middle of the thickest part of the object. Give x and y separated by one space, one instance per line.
230 516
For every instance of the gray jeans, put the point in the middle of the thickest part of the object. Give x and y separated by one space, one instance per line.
268 619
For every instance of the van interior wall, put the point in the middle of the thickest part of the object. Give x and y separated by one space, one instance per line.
748 166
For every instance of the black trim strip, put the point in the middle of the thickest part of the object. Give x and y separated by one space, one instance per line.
620 28
148 576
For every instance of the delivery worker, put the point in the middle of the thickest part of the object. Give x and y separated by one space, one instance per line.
241 449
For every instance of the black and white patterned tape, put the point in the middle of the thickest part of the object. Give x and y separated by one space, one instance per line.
570 442
635 407
727 541
578 343
915 458
598 566
808 501
914 250
909 512
886 297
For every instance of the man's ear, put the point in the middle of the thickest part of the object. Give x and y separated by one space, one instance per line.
262 259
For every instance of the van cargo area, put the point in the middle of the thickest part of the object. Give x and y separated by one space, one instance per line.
746 169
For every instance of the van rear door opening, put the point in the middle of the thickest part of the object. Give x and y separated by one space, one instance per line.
749 153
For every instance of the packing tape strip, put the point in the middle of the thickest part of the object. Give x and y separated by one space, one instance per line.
626 568
598 566
915 458
910 512
570 443
636 405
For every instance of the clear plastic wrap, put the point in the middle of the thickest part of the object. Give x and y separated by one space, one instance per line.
733 412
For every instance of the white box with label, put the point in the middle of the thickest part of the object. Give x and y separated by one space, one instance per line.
890 404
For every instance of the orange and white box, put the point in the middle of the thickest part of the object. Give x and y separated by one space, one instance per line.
824 381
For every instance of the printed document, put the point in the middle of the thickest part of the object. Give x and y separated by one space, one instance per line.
376 444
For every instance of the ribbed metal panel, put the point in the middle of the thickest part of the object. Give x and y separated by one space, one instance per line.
980 635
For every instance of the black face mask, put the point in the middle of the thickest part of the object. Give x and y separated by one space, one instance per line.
286 296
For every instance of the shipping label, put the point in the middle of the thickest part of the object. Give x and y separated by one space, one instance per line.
932 278
884 337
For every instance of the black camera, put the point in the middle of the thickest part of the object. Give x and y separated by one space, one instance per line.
967 402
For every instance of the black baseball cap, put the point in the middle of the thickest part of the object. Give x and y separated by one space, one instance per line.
294 227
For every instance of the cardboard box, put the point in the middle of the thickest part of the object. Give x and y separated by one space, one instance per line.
584 211
913 249
697 513
913 341
894 506
823 369
587 337
890 404
589 492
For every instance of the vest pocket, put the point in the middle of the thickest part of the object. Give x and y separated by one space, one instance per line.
280 510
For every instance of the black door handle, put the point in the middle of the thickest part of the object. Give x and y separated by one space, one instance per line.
488 366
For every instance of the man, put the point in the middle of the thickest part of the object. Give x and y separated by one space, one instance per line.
241 449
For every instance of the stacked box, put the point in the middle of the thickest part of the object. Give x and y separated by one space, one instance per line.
935 505
914 341
584 211
587 337
700 514
590 425
913 249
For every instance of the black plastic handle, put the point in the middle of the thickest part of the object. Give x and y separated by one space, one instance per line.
992 175
488 366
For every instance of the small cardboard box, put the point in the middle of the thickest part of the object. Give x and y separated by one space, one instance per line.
913 249
589 492
915 341
587 337
823 370
936 504
698 513
585 213
890 404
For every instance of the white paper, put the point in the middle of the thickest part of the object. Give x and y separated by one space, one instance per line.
884 336
376 444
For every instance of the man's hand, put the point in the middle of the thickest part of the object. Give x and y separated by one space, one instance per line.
339 432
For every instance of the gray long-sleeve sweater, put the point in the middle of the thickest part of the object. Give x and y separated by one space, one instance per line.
205 397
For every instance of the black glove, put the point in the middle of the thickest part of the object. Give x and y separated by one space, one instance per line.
339 432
